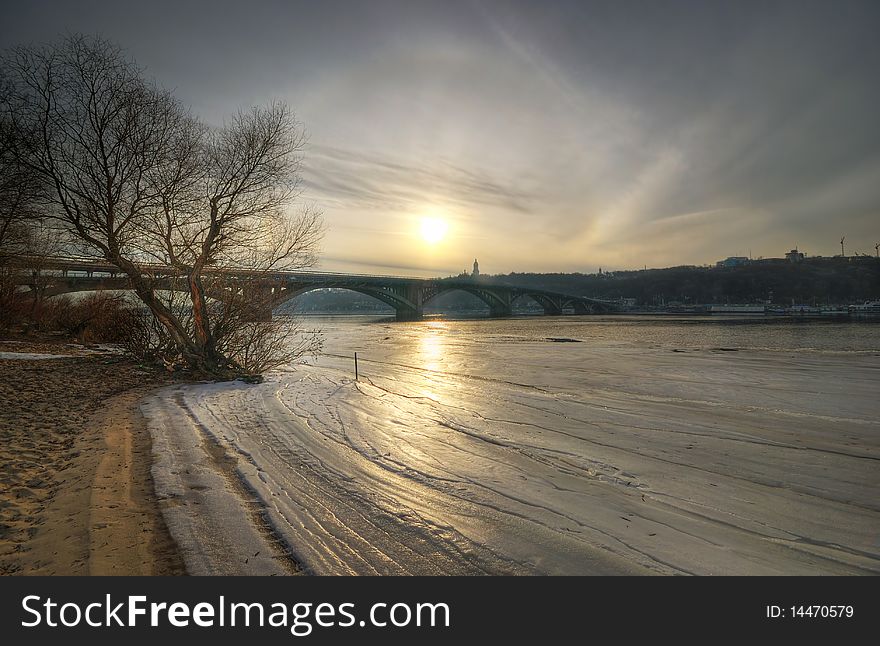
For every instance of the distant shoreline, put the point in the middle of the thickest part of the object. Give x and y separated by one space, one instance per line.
707 316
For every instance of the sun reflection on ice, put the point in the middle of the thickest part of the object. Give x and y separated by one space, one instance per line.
432 351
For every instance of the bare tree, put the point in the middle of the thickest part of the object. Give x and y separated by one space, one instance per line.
19 190
135 179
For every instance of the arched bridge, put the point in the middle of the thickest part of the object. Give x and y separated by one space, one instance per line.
408 296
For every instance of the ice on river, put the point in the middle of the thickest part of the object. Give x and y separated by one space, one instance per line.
467 450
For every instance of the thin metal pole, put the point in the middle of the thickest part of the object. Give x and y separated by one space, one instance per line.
355 366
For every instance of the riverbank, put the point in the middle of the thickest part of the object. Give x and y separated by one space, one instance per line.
75 457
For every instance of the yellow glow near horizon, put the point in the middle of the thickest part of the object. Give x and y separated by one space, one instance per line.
434 230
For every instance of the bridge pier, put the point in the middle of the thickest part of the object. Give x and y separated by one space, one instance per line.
260 314
500 311
260 302
408 314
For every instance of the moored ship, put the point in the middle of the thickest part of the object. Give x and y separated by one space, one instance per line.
866 309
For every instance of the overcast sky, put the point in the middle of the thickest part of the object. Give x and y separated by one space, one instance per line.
551 136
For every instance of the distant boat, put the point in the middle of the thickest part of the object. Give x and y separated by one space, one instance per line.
809 310
834 311
868 308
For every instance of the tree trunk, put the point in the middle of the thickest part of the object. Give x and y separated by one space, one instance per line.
191 353
203 336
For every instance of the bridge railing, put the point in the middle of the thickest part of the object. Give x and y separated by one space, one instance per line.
94 265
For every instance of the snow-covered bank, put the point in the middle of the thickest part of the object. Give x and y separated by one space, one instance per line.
467 453
215 524
33 356
58 350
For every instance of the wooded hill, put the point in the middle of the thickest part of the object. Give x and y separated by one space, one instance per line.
821 281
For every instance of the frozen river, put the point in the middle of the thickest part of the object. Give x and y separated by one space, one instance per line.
576 445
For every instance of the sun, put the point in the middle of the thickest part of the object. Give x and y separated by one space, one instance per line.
434 230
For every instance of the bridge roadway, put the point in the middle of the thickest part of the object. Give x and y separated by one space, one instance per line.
408 296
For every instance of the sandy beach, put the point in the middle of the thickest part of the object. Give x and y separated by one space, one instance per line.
77 495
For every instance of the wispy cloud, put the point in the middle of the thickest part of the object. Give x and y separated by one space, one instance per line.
369 265
349 178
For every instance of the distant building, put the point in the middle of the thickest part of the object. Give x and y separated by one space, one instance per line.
733 261
476 272
794 256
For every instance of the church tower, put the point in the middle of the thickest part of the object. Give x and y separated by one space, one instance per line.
476 272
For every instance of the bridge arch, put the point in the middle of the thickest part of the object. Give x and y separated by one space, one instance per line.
499 303
405 309
551 304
